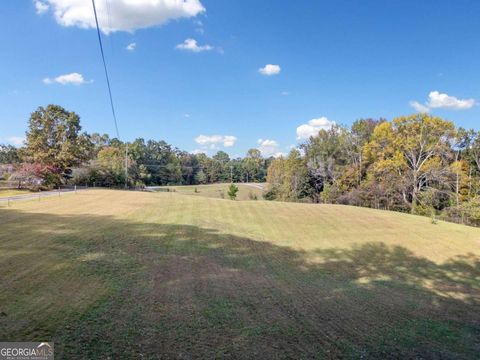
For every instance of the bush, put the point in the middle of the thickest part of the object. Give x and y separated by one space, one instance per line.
328 194
467 213
423 210
270 194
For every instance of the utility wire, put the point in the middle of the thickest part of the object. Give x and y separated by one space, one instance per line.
107 6
106 71
110 90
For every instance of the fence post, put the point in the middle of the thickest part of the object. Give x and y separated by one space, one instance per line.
39 196
75 189
59 191
8 202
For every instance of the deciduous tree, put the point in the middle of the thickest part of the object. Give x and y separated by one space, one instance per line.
54 139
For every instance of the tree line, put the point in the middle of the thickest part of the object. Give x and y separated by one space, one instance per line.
419 163
57 152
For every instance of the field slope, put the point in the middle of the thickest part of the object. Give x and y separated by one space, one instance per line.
112 274
219 191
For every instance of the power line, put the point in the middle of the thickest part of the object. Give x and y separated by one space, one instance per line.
105 68
107 5
110 89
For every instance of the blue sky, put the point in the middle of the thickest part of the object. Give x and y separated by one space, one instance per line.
334 61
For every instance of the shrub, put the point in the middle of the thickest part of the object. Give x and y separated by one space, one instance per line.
270 194
423 210
467 213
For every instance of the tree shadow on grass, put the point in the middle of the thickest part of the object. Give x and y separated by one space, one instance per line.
105 287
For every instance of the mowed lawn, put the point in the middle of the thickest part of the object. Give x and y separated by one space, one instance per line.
220 191
114 274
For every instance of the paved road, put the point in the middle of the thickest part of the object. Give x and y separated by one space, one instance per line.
38 195
260 186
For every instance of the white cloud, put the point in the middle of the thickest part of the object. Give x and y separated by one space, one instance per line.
312 128
122 15
285 93
213 140
199 27
269 148
192 45
72 78
131 47
437 100
229 141
41 7
270 69
419 107
16 140
186 115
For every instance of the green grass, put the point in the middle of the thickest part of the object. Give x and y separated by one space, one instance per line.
219 191
113 274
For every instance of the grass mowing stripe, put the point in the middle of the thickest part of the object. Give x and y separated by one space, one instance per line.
189 276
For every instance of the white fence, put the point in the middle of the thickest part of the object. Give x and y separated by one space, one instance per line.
41 194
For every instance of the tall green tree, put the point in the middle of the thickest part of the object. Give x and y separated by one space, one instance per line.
160 159
110 167
222 157
326 157
360 134
189 167
252 166
54 139
288 177
9 154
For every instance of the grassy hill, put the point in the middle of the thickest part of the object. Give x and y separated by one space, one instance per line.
220 191
130 275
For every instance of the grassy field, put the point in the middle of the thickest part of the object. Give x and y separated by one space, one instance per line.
12 192
112 274
219 191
